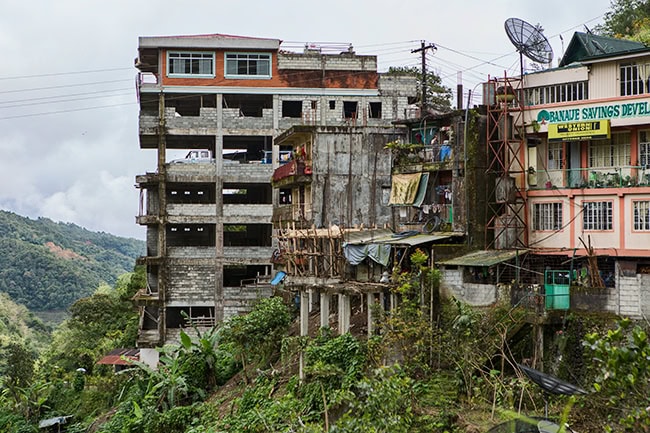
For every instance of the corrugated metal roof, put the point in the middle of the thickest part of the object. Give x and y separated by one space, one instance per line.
386 236
114 357
483 258
417 239
585 46
367 236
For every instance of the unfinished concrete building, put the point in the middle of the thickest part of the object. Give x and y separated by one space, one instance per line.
222 99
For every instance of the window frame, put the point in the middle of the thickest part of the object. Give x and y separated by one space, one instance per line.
247 76
211 55
603 208
614 150
555 149
644 148
631 77
552 218
641 223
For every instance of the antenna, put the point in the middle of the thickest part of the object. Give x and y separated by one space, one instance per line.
529 41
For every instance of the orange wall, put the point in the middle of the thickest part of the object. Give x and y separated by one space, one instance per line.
283 78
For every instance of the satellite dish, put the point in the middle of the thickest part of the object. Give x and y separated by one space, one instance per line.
529 41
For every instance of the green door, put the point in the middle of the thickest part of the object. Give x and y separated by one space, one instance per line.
556 287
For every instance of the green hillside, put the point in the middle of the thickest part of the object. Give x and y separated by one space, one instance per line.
47 266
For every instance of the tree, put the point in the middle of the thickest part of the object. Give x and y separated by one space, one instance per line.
438 95
622 375
628 19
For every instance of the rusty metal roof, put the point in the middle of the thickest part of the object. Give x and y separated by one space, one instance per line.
120 357
483 258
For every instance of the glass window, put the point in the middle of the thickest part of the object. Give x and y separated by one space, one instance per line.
547 216
610 153
555 156
190 63
644 149
565 92
634 78
597 215
248 65
641 215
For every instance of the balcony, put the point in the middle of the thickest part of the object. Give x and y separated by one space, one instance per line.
407 157
291 173
299 212
588 178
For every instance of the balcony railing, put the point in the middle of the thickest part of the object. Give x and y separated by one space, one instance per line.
291 168
292 212
612 177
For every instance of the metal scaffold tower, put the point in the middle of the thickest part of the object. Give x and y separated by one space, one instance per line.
506 217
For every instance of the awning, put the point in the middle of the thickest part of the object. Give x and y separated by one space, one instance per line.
483 258
404 189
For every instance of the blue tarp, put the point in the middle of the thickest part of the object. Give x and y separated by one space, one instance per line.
277 279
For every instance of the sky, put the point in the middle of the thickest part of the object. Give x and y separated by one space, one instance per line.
68 112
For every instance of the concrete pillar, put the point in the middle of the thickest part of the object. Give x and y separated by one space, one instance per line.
370 300
344 313
304 329
324 310
304 313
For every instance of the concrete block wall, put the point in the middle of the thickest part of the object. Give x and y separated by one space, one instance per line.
195 172
240 300
191 252
478 295
628 297
342 62
247 173
191 210
247 213
148 124
247 255
233 120
191 283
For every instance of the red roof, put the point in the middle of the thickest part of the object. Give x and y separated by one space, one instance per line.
120 357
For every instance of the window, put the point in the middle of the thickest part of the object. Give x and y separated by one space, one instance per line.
634 78
565 92
610 153
291 108
332 105
555 156
641 215
190 63
350 109
375 110
597 215
644 149
251 65
547 216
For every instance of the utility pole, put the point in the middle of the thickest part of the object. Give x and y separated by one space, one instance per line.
423 49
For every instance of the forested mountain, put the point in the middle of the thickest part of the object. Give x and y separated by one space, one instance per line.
47 266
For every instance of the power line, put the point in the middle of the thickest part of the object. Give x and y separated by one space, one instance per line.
64 86
56 74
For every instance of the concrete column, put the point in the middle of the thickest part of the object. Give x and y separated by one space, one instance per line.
304 313
370 301
344 313
324 310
